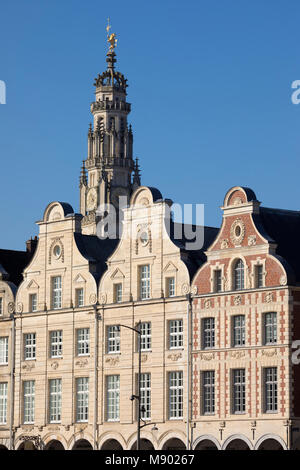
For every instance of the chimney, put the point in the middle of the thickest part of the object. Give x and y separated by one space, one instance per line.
31 245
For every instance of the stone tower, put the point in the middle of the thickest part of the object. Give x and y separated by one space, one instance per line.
109 174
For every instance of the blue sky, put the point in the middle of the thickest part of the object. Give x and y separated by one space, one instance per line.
210 87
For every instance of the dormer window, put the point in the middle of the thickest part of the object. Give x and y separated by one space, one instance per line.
238 275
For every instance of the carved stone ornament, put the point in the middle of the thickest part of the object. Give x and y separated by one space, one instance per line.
237 300
54 365
28 366
103 298
207 303
112 360
81 362
175 356
56 250
93 299
269 297
194 290
144 201
283 280
207 356
185 288
11 307
237 232
237 354
224 244
252 240
144 357
237 201
19 307
269 352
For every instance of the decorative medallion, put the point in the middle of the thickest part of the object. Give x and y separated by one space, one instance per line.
269 297
224 244
103 298
19 307
144 357
237 354
11 307
283 280
207 357
237 300
237 232
54 365
252 240
194 290
93 299
185 288
28 366
56 250
144 201
237 201
207 303
269 352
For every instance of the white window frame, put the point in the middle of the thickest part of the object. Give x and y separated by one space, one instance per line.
83 341
270 328
145 336
55 400
208 332
175 395
79 297
176 334
238 331
3 402
28 401
56 292
113 398
33 302
239 391
270 389
239 275
56 343
170 281
113 339
118 292
3 350
144 277
145 395
208 392
82 399
29 346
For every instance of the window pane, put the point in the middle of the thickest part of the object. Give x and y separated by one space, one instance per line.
239 275
4 350
29 405
171 286
56 343
146 396
208 378
55 400
239 391
270 328
271 389
3 403
29 346
145 282
118 292
113 397
176 334
83 341
208 325
56 292
113 339
82 405
175 395
218 280
145 337
33 302
259 276
79 294
239 330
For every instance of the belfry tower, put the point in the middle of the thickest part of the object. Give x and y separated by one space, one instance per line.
109 174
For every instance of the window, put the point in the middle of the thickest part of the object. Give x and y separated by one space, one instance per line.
113 339
175 395
3 402
56 292
259 276
82 400
145 282
56 343
208 390
145 337
146 396
118 292
29 387
208 326
218 280
33 302
113 397
1 306
55 400
238 275
4 350
79 297
239 330
270 328
175 334
239 391
270 380
170 288
83 342
29 346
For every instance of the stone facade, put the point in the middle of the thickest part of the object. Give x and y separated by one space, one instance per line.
68 341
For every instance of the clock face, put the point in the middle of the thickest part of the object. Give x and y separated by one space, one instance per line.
91 199
118 197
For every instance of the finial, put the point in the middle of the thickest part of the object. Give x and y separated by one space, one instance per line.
111 38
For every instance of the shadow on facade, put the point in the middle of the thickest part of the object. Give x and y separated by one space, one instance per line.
111 444
206 444
174 444
145 445
54 445
270 444
82 444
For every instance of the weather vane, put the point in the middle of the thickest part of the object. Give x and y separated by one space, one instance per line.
111 38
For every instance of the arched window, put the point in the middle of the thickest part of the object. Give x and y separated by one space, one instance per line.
238 275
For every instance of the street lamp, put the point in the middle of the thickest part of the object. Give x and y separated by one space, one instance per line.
138 397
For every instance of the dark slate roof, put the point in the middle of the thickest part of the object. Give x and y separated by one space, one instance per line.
68 209
14 262
156 194
283 228
95 250
251 196
192 258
